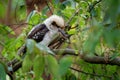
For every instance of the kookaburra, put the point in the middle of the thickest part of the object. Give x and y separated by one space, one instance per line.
44 34
47 31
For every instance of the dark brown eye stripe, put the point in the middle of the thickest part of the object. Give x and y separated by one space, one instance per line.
54 23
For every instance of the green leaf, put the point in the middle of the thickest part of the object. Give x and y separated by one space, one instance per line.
44 48
30 45
64 64
108 37
30 15
2 72
72 31
94 37
27 64
45 10
38 66
113 56
112 12
52 66
66 3
5 30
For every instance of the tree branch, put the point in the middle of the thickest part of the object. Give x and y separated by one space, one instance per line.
89 73
89 59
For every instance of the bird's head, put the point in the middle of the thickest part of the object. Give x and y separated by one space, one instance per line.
55 21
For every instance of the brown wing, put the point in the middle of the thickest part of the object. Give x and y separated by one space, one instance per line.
38 32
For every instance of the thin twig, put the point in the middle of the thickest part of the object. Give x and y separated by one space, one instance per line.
75 13
67 24
49 7
89 73
91 7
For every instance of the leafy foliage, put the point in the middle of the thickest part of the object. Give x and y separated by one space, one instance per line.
64 64
2 74
97 33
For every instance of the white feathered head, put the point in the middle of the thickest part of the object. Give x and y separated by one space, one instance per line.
56 21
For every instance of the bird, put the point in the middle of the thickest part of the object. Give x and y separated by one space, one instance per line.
46 32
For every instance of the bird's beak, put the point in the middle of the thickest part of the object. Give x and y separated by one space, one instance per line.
63 33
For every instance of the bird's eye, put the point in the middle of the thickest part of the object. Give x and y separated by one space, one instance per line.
54 24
